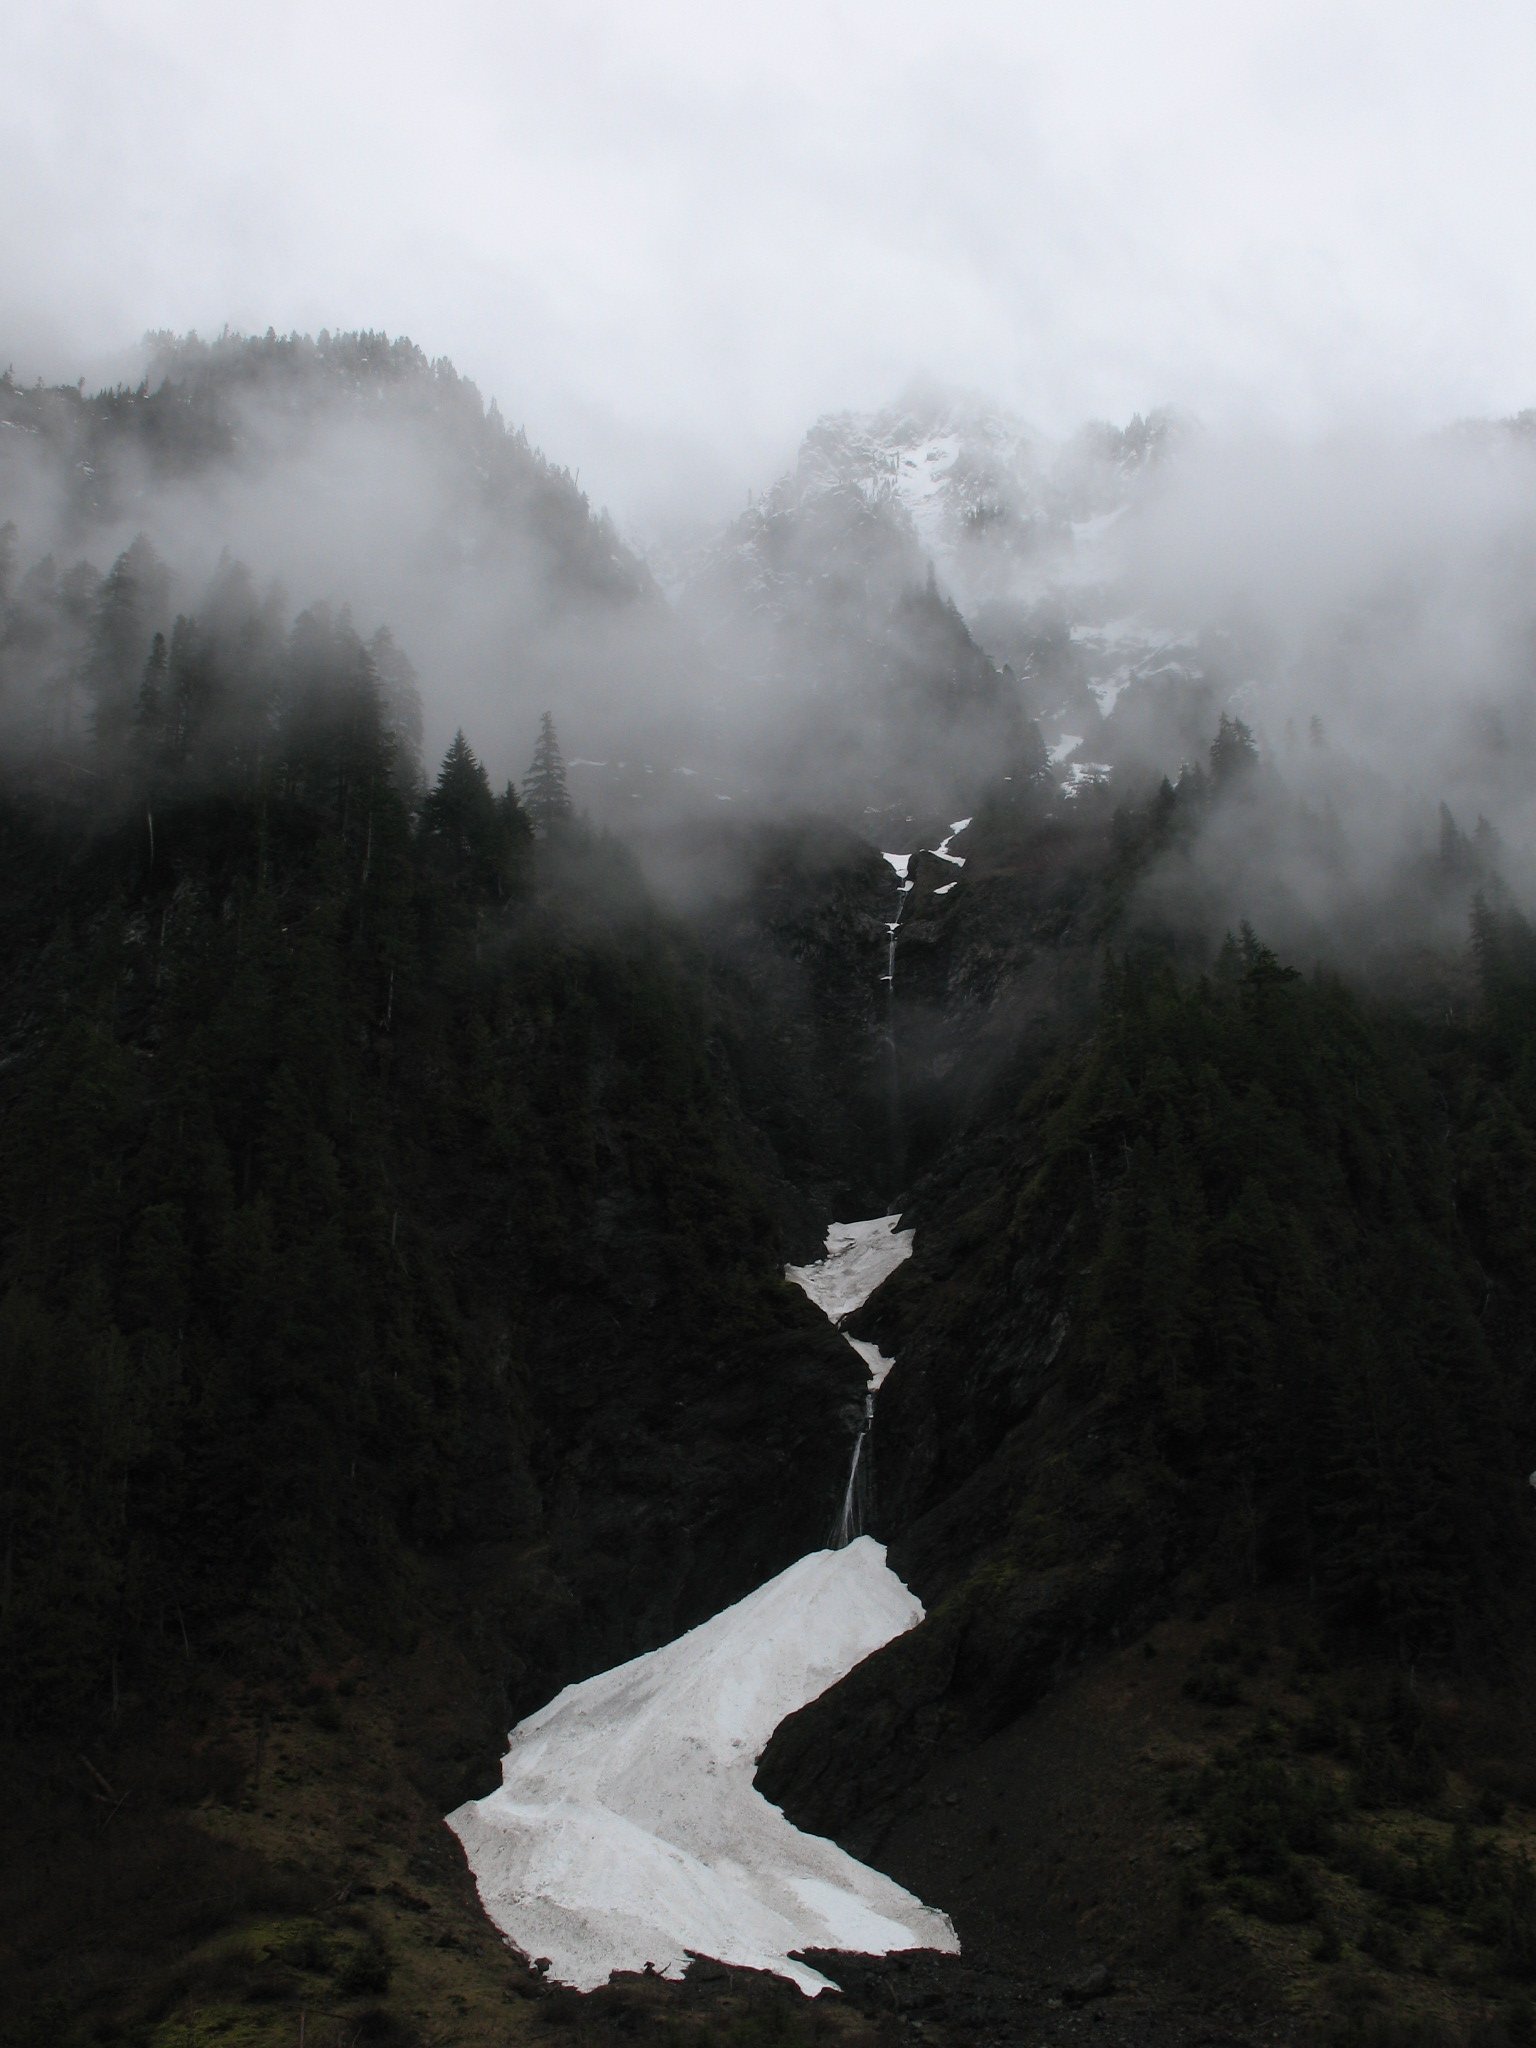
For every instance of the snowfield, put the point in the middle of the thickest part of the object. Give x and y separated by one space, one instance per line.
859 1257
627 1830
874 1358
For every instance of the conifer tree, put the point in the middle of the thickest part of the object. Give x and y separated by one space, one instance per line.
401 695
460 811
1455 847
1487 848
545 796
152 710
132 598
1234 753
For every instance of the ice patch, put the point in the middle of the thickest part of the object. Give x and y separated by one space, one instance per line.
1082 774
942 849
946 887
859 1257
627 1831
899 862
874 1358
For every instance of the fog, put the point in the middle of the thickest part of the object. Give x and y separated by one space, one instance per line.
383 503
1366 604
667 243
1382 583
666 238
1363 600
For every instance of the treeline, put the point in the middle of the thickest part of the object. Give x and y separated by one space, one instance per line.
339 1115
204 407
1272 1230
1304 1280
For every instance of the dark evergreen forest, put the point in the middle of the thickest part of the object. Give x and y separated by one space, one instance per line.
394 1196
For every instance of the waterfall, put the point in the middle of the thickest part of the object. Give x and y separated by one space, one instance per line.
850 1520
627 1832
898 863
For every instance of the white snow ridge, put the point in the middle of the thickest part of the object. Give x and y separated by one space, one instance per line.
628 1832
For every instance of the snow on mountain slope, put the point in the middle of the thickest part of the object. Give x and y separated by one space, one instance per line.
627 1831
949 462
1127 650
972 486
859 1256
998 508
1033 540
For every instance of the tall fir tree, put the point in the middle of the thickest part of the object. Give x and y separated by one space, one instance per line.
1234 753
460 810
546 798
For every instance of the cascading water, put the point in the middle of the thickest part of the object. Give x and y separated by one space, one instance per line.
627 1832
899 863
855 1508
900 866
859 1257
850 1520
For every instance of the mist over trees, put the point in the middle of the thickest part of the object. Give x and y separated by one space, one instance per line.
444 983
1133 587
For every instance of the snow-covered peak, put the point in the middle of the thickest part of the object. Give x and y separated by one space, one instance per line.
945 461
1000 509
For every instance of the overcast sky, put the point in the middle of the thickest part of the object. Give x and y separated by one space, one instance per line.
665 234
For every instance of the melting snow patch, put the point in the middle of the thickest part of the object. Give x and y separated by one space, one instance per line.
879 1365
899 862
628 1834
627 1830
944 891
1067 744
942 849
859 1257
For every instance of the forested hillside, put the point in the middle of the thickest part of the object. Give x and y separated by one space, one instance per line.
398 1172
1208 1450
387 1261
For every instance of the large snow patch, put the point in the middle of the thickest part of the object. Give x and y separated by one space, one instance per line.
859 1257
627 1830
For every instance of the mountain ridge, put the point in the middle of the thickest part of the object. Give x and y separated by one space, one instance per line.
393 1322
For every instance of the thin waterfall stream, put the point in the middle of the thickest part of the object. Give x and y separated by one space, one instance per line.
627 1832
901 866
859 1256
899 863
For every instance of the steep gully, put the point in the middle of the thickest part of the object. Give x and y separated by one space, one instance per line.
627 1833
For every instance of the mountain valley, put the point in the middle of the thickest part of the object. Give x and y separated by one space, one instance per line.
403 1164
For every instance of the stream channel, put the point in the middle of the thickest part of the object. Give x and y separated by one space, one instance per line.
627 1832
